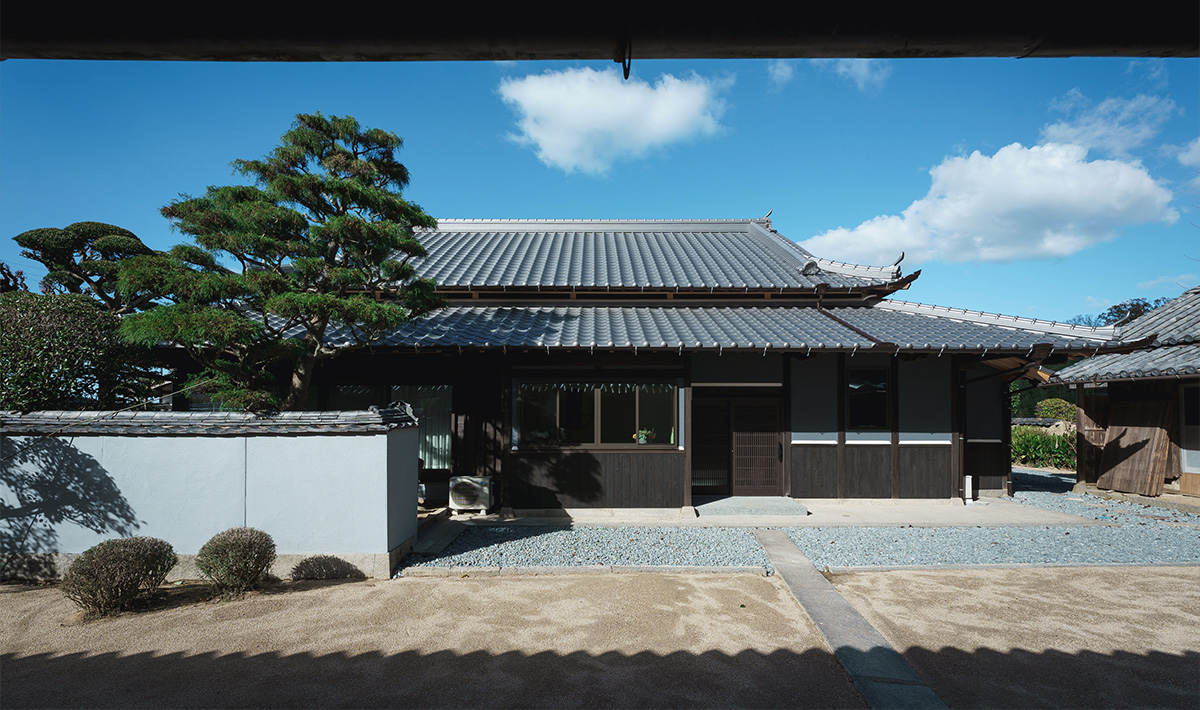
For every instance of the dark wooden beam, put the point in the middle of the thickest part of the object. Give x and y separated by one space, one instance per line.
369 31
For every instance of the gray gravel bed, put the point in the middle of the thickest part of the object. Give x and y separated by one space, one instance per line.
519 546
1137 534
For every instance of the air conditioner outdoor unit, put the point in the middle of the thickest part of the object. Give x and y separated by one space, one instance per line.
471 493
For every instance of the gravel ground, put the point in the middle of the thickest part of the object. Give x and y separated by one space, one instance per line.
513 546
1136 534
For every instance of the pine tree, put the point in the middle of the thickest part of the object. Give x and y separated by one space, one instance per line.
309 262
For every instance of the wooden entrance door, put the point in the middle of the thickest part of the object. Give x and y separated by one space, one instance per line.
757 450
738 450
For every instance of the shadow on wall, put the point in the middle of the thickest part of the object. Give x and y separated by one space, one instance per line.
44 485
555 479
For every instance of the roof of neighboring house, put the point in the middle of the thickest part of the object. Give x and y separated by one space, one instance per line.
1175 351
1159 362
1175 323
889 324
372 421
630 255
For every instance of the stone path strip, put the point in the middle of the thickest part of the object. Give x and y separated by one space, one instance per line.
878 671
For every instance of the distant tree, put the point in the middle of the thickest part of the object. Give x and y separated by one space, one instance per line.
62 351
85 257
11 280
321 243
1133 308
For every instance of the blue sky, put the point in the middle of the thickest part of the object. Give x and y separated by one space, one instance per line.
1040 188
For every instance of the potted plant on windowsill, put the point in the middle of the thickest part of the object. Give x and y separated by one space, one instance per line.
645 436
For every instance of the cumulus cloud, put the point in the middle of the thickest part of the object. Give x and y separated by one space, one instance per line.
586 120
866 74
780 72
1021 203
1114 126
1182 281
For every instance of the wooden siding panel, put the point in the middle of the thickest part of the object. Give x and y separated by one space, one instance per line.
989 462
868 472
814 470
924 472
590 479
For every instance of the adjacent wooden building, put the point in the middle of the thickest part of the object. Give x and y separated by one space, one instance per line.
1139 412
638 364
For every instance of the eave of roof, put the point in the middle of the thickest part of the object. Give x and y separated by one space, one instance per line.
903 327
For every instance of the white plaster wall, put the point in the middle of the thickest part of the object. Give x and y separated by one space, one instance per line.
180 489
312 494
402 448
320 494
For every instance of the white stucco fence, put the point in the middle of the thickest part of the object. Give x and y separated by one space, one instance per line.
320 483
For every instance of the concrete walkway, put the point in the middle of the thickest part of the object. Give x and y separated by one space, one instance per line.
881 674
995 512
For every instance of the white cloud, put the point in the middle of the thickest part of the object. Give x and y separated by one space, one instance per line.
1150 73
1115 126
1021 203
1182 281
586 120
866 74
780 72
1189 157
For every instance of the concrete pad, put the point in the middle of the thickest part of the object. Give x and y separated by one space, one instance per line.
627 641
434 539
874 666
1056 637
822 513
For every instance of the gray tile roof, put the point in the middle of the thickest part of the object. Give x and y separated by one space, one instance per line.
1177 360
630 254
1176 323
797 328
372 421
1176 346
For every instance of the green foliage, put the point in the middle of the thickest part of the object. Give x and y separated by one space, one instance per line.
1055 408
235 560
86 257
1034 446
323 240
111 575
1133 308
1025 404
11 280
63 351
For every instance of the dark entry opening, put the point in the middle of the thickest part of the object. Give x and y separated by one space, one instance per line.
738 450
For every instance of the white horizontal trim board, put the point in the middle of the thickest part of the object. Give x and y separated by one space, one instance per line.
925 442
823 442
868 442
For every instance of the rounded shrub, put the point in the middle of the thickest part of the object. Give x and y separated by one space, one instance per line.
235 560
109 576
1055 408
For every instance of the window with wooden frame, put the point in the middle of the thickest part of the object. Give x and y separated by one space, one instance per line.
867 399
609 414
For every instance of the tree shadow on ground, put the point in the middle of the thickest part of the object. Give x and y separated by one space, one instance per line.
447 678
45 483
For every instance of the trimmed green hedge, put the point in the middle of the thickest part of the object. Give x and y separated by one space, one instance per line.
1055 408
1033 446
109 576
236 559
